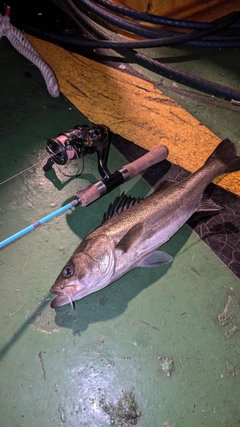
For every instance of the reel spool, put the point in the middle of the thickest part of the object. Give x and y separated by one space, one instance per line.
77 142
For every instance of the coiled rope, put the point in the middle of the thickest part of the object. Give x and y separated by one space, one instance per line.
23 46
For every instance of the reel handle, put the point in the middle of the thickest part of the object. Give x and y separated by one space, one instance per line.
99 188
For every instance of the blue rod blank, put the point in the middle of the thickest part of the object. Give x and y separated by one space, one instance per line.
38 223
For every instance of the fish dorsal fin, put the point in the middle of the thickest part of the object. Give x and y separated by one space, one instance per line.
131 237
207 205
120 204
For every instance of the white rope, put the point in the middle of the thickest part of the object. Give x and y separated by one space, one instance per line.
23 46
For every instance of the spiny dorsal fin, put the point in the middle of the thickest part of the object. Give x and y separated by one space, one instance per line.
120 204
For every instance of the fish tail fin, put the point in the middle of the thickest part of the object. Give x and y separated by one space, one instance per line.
226 155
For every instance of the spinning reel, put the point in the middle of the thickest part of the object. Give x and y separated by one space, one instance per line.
76 143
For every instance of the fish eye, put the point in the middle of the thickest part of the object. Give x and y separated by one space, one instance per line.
68 271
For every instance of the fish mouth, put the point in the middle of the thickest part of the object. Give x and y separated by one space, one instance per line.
60 300
64 296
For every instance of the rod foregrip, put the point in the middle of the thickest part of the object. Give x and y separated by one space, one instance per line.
90 193
144 162
94 191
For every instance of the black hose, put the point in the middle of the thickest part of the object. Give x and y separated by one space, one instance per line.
158 67
191 38
117 21
184 39
187 79
138 29
158 34
158 37
225 44
154 19
125 48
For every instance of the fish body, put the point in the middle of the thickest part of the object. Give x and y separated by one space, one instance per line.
131 238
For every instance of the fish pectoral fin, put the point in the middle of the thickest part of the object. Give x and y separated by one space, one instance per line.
156 259
131 238
208 205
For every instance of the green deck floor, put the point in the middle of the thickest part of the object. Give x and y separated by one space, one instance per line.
160 347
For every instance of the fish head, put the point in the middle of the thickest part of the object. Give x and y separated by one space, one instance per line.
88 270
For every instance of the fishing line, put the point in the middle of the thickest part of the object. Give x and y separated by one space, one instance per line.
78 173
19 173
44 298
78 157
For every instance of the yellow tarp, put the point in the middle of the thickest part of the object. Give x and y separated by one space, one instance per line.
133 108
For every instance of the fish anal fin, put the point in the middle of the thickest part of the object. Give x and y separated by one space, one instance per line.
131 238
207 205
156 259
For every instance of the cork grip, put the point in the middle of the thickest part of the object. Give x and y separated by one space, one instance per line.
154 156
98 189
89 194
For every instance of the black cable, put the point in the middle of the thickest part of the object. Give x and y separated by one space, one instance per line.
137 44
187 79
161 37
117 21
186 39
153 65
124 24
192 38
158 67
154 19
225 44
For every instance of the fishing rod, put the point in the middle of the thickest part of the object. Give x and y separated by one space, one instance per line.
78 142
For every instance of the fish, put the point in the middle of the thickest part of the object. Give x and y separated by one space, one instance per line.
134 229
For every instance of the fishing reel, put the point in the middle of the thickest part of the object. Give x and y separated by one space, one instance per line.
76 143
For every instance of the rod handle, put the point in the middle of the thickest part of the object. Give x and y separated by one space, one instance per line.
98 189
144 162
